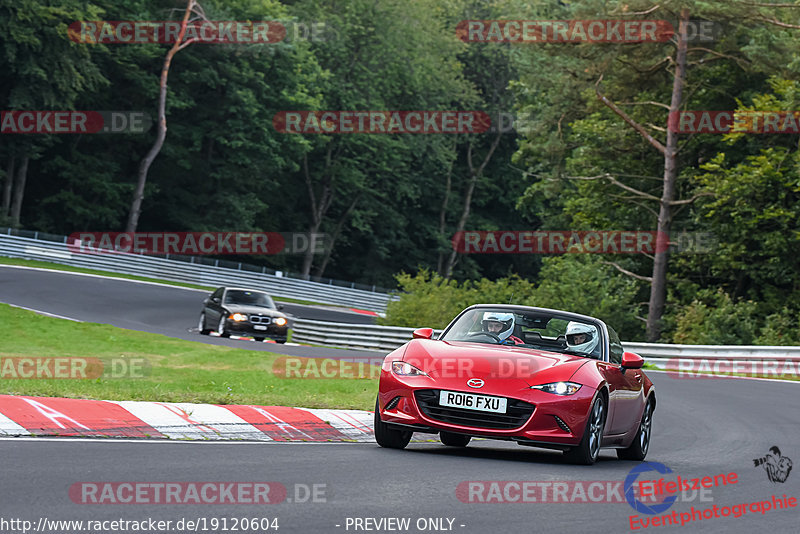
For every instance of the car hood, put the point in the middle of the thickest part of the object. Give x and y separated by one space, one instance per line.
256 310
452 363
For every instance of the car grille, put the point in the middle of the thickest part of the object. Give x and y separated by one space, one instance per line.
260 319
517 412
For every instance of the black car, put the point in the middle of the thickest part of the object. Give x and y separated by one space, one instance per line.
243 312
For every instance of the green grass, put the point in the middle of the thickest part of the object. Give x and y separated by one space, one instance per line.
176 370
60 267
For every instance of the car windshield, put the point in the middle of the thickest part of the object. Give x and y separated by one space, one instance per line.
535 329
249 298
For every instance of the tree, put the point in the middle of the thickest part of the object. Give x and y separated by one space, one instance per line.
43 70
192 8
691 70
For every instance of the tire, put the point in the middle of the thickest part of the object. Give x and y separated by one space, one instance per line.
641 442
221 328
259 339
201 325
280 341
588 449
454 440
389 437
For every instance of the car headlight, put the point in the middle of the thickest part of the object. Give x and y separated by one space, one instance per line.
238 317
280 321
559 388
406 369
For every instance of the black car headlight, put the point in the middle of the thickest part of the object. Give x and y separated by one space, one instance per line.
559 388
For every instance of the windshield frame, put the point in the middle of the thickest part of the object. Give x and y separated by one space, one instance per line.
556 314
270 306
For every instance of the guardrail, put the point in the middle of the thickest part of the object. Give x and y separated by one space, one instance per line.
387 338
728 352
351 336
191 270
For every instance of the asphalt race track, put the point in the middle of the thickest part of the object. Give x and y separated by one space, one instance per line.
169 310
702 427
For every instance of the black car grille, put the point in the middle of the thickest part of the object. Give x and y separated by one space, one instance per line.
517 412
260 319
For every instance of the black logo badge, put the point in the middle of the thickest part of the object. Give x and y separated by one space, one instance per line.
777 467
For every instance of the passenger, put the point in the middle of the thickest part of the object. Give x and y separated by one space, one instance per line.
583 338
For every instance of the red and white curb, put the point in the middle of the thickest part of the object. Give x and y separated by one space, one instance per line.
49 416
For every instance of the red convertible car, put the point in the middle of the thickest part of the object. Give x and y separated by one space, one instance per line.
540 377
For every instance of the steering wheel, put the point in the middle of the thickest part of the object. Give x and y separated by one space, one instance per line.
490 334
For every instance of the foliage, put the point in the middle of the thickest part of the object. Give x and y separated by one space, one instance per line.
569 283
395 200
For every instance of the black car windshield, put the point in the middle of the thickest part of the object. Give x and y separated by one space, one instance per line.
249 298
535 329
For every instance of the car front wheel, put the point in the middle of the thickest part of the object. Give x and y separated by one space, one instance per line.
389 437
588 449
641 443
221 328
201 325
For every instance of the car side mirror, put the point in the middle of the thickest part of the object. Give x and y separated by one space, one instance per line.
280 307
215 300
422 333
631 360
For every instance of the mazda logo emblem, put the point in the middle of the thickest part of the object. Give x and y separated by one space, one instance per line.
475 383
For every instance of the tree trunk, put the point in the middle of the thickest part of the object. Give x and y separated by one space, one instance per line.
7 188
144 166
658 287
19 192
474 175
318 209
443 217
336 232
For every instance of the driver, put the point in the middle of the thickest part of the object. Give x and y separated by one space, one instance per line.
583 338
500 325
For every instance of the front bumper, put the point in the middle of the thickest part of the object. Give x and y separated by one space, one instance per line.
246 328
533 417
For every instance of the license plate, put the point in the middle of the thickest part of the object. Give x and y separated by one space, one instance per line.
470 401
259 327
